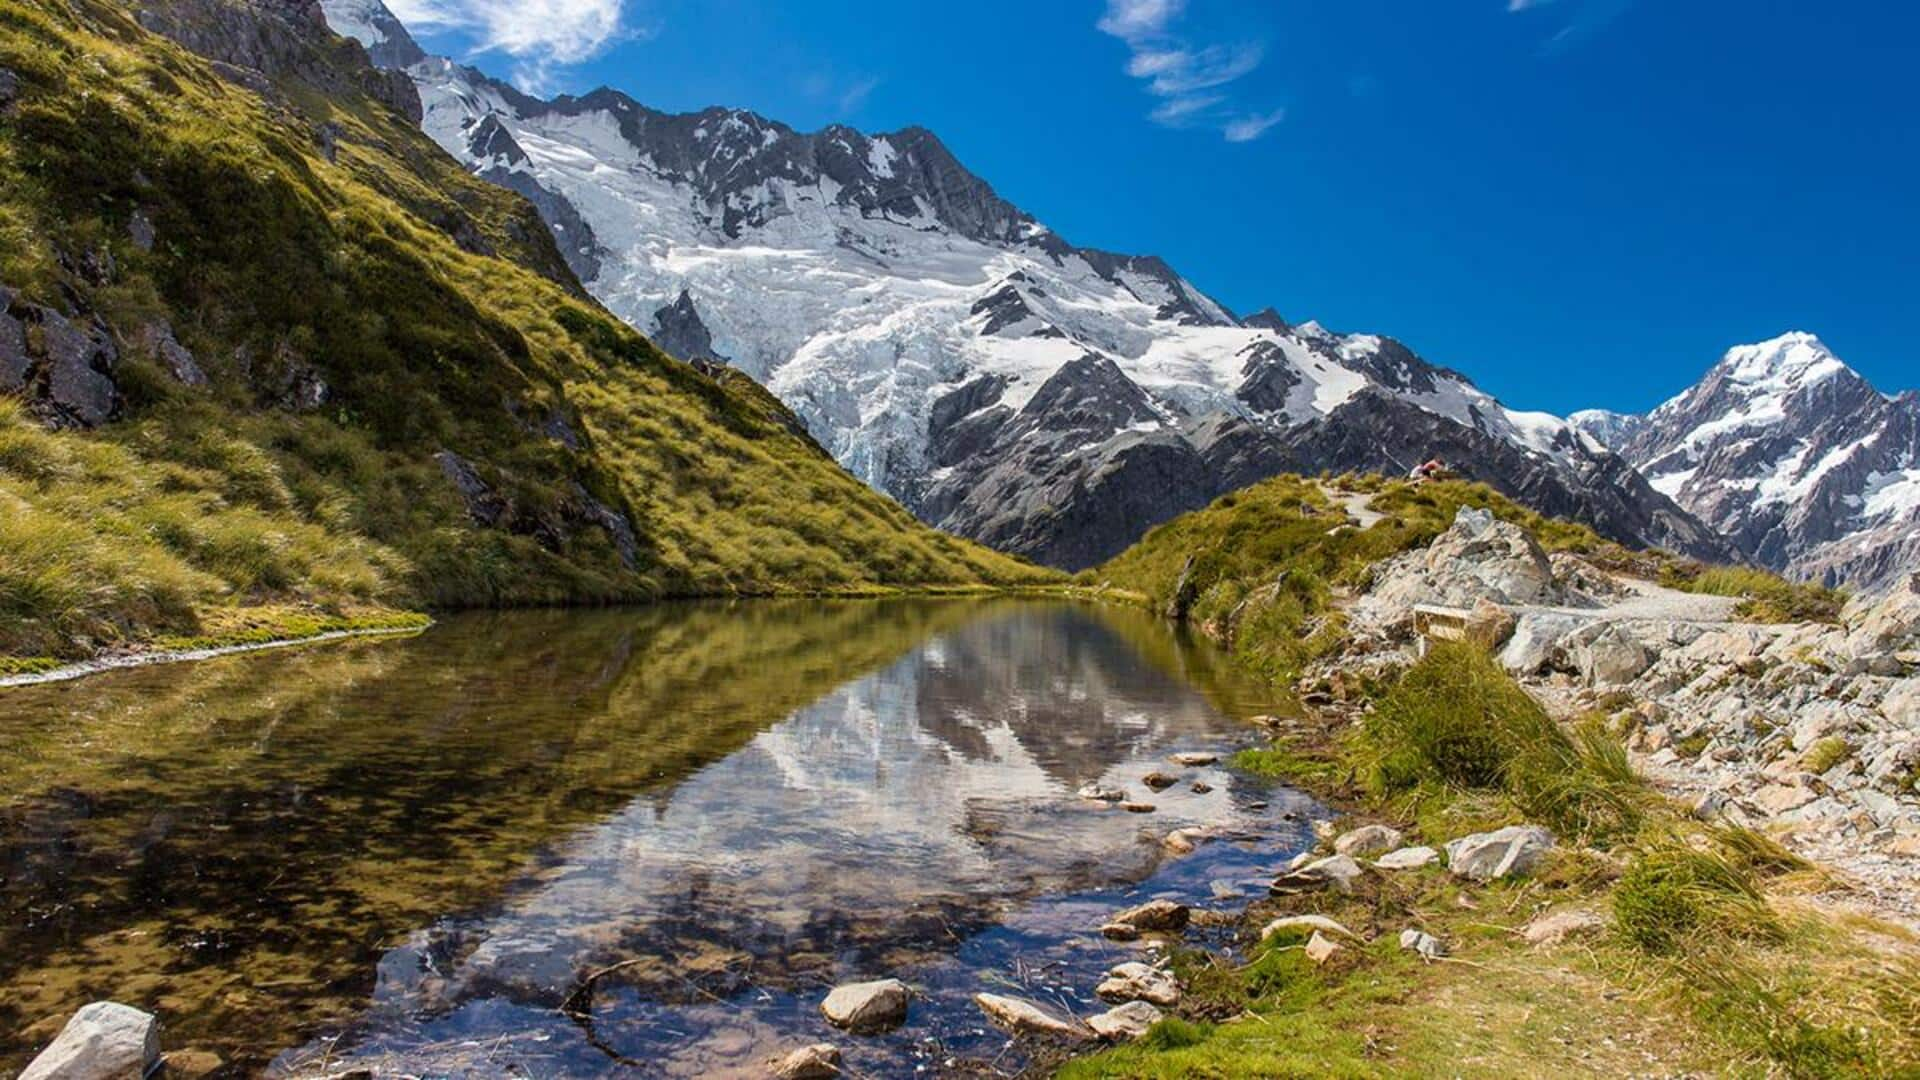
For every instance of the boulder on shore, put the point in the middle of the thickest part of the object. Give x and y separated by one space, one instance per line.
1406 858
1129 1021
104 1041
1135 981
1334 871
1500 853
1367 840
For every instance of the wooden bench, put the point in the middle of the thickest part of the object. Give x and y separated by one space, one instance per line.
1435 623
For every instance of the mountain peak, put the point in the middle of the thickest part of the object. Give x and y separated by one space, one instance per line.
1793 359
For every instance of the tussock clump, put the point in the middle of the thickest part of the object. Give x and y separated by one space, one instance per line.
1673 892
1764 596
1456 721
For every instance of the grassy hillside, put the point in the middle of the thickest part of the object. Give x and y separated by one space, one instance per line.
1268 559
1712 958
359 305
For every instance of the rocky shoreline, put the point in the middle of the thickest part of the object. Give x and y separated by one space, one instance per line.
1808 732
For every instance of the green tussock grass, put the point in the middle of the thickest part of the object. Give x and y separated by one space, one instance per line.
1455 723
1764 596
1826 753
274 263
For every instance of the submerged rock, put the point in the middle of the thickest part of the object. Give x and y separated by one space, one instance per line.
104 1041
1184 841
1159 781
821 1061
867 1006
1100 793
1154 916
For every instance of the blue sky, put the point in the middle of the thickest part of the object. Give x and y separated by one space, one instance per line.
1576 202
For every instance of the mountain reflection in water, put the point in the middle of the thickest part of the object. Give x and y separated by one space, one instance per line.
425 846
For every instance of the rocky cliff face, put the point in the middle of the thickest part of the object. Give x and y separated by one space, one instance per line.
1792 456
957 354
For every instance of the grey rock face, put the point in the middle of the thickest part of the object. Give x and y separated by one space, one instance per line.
158 340
253 44
387 42
9 87
71 382
14 361
679 330
552 528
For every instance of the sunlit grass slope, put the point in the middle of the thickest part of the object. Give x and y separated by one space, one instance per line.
310 232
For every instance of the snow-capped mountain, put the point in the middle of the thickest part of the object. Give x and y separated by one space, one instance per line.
1791 455
953 351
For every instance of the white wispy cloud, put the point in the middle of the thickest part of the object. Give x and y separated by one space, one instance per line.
540 36
1249 128
1581 19
1189 79
845 94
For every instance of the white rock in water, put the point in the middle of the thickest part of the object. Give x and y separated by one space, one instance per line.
1099 793
1407 858
1194 761
821 1061
867 1006
104 1041
1154 915
1129 1021
1135 981
1184 841
1023 1017
1367 840
1500 853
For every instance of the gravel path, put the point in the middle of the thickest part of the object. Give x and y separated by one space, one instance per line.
1645 600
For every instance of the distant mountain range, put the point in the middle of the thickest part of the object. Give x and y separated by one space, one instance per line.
1790 455
1049 399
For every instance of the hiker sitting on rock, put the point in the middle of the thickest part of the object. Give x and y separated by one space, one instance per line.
1432 469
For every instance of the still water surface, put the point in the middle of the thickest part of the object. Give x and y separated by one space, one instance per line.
409 854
